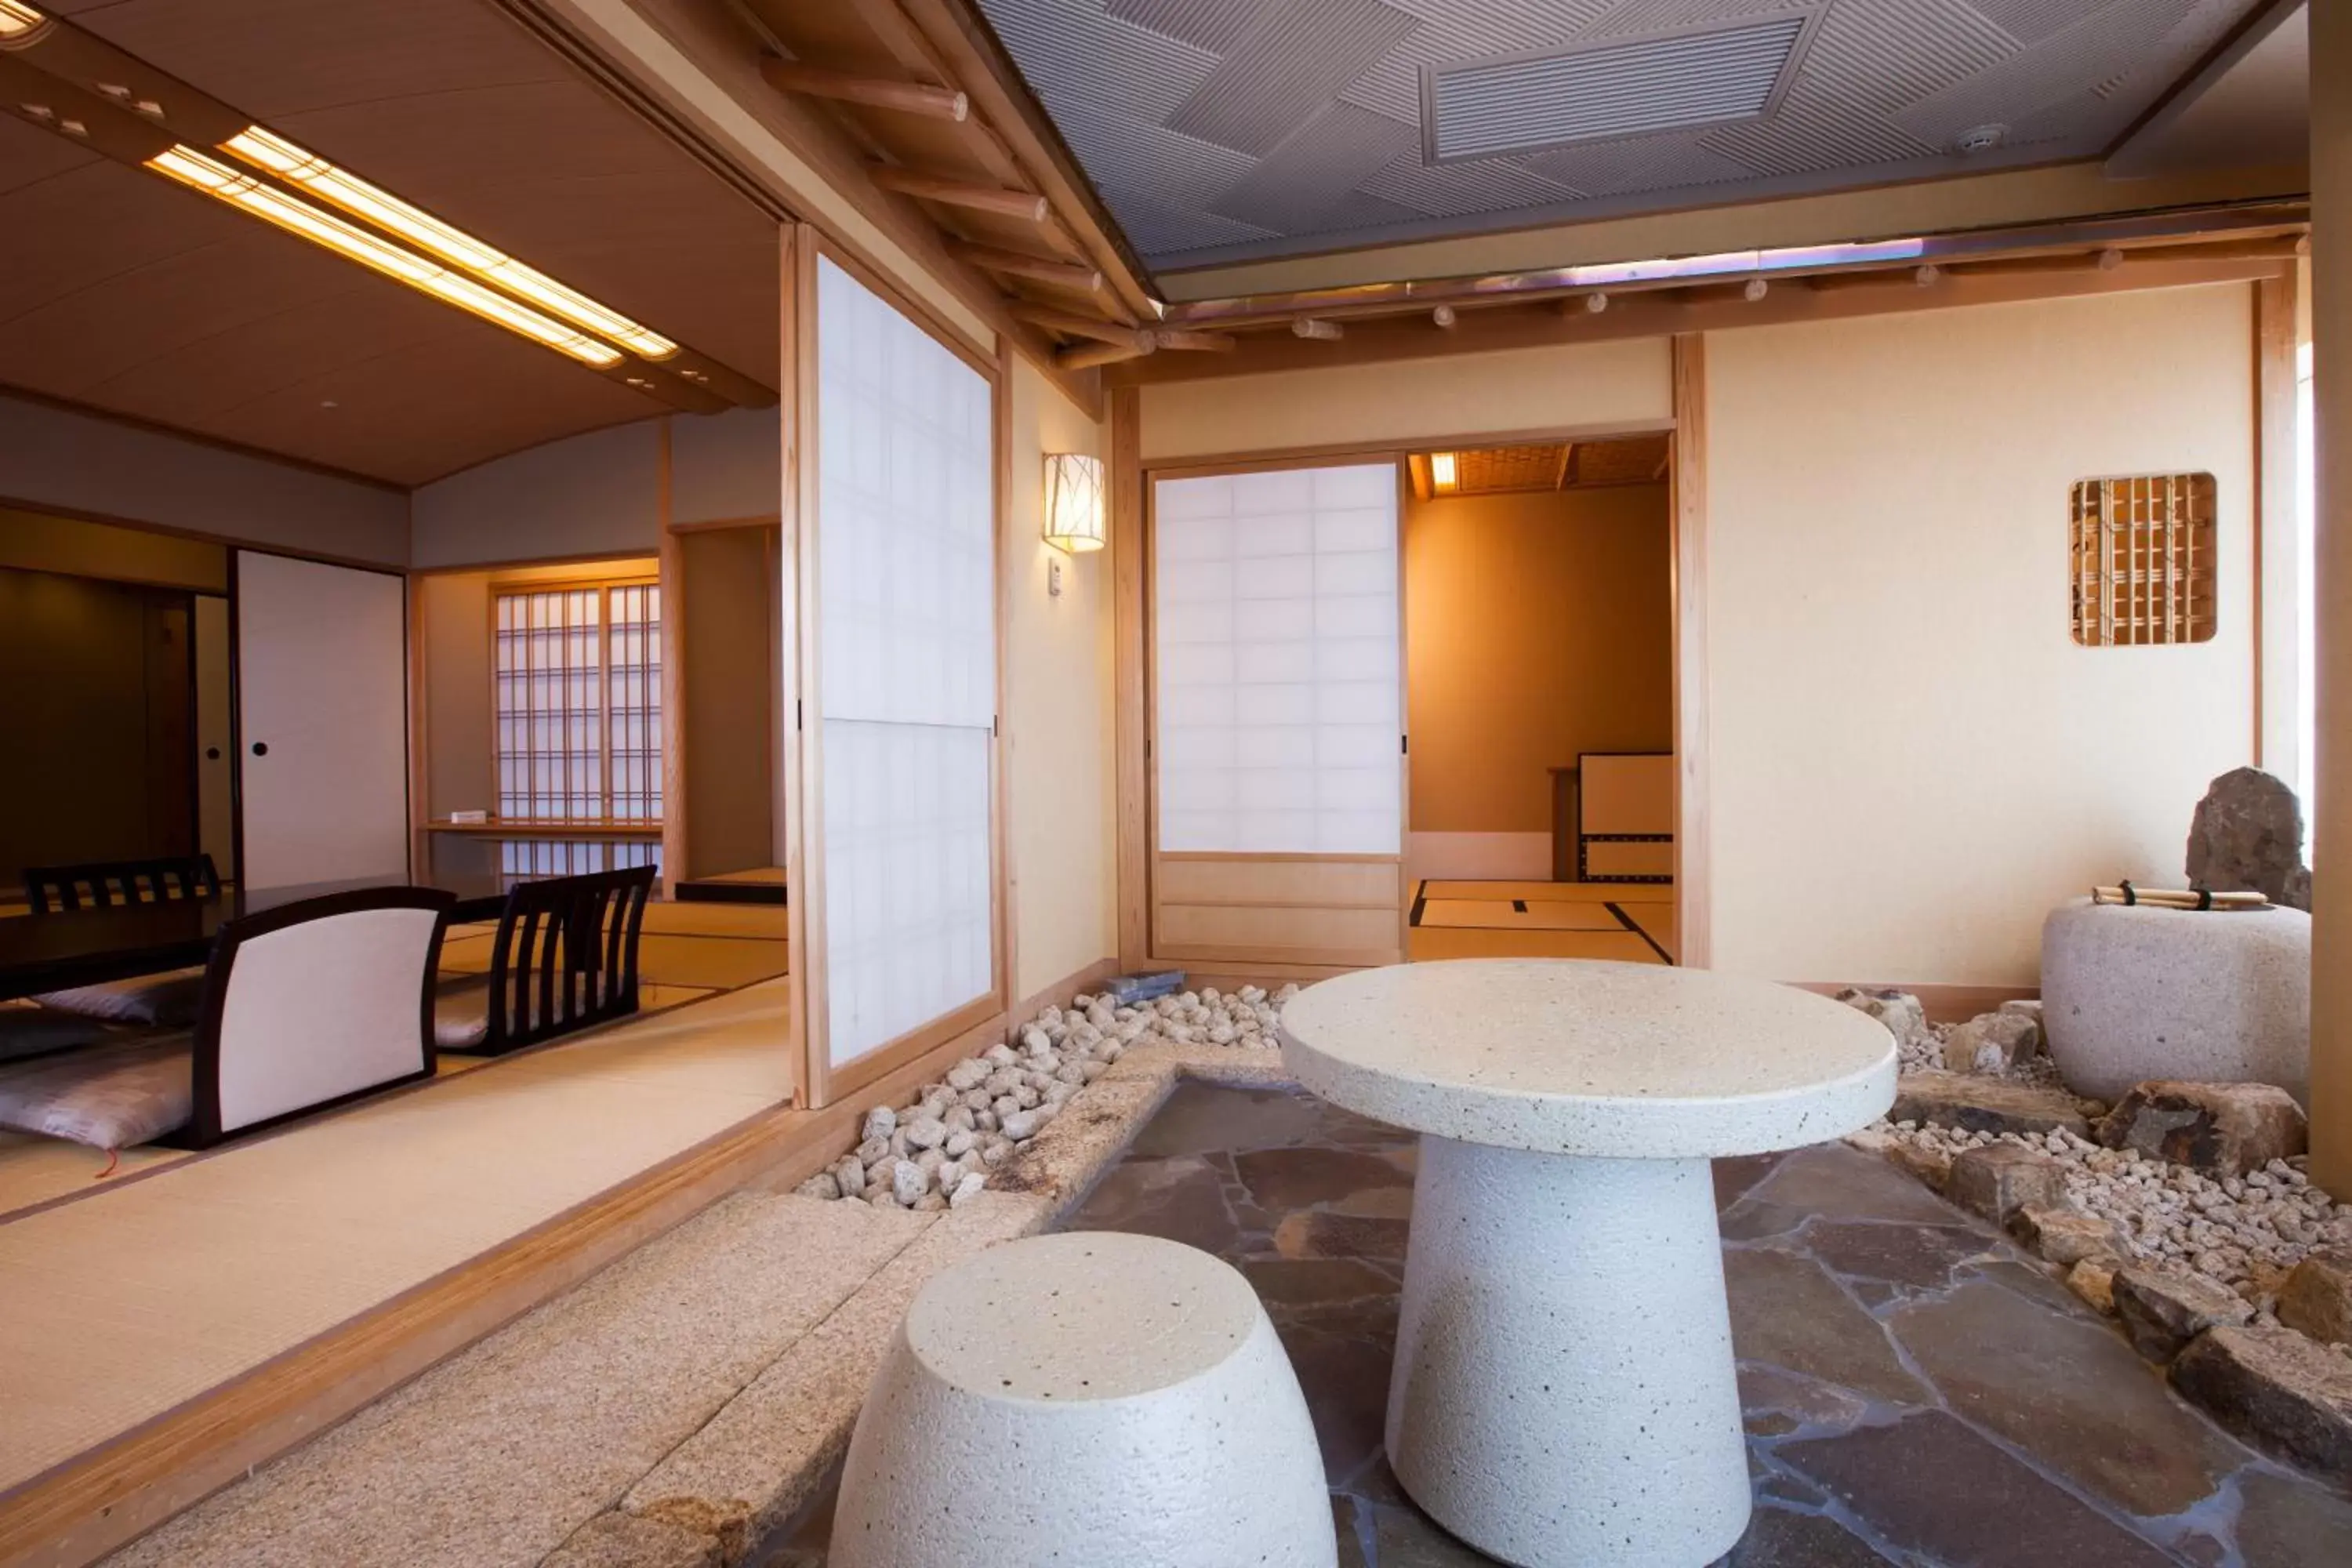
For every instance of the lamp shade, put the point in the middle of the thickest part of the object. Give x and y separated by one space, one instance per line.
1074 502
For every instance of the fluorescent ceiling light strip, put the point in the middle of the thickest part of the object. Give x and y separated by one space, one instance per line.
340 187
267 202
16 17
1737 262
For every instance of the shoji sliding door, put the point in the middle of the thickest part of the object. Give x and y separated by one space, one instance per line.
899 778
1278 778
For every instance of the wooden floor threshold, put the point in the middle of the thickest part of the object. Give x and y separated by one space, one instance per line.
76 1513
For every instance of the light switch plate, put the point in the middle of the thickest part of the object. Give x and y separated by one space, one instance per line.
1054 578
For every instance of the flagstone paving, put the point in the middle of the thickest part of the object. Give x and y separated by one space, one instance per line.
1917 1390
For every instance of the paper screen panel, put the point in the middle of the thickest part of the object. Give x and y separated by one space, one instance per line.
907 888
1275 644
906 676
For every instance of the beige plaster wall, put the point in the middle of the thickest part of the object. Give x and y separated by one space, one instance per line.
1616 385
1911 761
1062 791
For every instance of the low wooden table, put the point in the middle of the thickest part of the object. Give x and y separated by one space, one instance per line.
1563 1392
88 947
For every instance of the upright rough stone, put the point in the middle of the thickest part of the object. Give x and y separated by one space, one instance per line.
2069 1236
2287 1395
2135 994
2247 836
2163 1309
2317 1296
2000 1179
2225 1129
1905 1016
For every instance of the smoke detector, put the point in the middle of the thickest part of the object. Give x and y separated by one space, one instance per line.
1980 139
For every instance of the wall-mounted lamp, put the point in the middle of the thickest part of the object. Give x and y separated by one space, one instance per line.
1074 502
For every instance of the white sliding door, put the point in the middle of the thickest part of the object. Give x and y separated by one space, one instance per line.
904 677
322 722
1278 742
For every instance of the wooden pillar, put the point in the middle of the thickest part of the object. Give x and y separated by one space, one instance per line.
2331 323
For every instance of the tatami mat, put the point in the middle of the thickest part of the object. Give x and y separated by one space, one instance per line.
1555 892
142 1296
1509 915
1424 942
773 921
764 875
1658 923
36 1170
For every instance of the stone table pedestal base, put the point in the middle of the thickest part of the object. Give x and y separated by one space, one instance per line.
1563 1390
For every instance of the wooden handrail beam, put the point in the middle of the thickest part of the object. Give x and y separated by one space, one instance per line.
1013 263
900 97
1027 205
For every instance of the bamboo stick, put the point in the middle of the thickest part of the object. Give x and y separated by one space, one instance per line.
2177 899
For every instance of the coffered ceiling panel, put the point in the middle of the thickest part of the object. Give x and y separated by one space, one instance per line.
1226 129
128 294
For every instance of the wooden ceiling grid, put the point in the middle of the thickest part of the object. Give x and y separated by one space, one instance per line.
1535 467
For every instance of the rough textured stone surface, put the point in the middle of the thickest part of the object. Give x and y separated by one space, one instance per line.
2065 1237
2094 1280
2163 1309
1992 1041
2317 1295
2280 1391
1785 1311
624 1541
1985 1104
2247 837
1905 1016
2225 1128
2130 994
2000 1179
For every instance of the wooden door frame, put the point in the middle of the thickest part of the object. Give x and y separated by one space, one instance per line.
822 1080
1131 479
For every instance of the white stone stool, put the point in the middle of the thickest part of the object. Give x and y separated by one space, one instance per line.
1564 1394
2130 993
1088 1398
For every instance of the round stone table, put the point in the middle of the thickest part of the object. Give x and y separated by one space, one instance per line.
1563 1392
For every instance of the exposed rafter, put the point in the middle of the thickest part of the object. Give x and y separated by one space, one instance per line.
872 93
1027 205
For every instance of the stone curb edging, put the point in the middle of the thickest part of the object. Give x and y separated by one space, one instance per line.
724 1491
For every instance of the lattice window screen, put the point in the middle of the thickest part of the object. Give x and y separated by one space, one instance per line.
521 859
1275 628
2144 560
579 703
907 669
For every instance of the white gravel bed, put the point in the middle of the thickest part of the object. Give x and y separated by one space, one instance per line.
938 1149
2245 1232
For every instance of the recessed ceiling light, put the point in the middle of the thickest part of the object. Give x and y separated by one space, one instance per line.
271 204
15 17
329 403
1440 469
340 187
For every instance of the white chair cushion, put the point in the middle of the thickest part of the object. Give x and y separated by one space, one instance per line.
167 1001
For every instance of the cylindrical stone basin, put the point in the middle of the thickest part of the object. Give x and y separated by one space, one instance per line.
1085 1398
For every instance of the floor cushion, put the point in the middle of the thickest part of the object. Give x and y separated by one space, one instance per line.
461 1011
166 1001
109 1097
27 1030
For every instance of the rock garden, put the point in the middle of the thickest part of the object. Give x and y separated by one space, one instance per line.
942 1148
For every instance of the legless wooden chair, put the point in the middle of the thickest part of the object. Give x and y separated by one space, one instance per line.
104 884
565 958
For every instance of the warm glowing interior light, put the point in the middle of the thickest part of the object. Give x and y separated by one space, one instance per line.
267 202
1074 502
1440 471
16 17
342 188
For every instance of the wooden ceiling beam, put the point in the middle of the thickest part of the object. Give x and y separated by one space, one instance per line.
1088 356
1197 342
1070 324
1027 205
1074 276
870 92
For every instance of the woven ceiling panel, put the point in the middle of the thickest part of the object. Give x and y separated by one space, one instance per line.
1221 130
